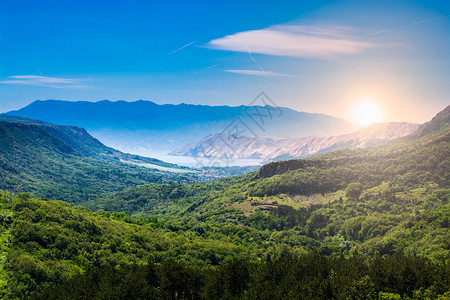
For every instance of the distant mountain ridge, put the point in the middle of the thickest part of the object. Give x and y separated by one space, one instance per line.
273 148
130 126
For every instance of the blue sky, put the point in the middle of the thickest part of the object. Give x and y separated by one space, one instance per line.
314 56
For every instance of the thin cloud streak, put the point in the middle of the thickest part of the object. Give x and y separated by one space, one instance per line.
258 73
53 82
249 53
405 26
181 48
295 41
207 68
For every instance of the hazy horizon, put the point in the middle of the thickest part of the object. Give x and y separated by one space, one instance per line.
361 61
181 103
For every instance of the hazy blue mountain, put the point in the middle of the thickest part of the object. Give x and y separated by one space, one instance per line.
142 125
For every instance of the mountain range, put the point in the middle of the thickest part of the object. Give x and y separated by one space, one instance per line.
275 148
142 126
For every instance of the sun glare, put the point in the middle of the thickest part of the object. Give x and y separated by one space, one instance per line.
365 111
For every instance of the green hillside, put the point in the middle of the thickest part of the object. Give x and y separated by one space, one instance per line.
67 163
85 144
374 200
55 250
34 161
50 242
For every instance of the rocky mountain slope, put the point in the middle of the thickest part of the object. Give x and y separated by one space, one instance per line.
273 148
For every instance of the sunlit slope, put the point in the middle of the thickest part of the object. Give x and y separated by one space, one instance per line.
49 242
412 162
387 199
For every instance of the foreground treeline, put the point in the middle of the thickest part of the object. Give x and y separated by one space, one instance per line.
310 276
51 249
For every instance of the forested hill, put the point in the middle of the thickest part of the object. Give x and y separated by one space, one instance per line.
378 199
427 134
85 144
414 162
439 123
54 250
35 158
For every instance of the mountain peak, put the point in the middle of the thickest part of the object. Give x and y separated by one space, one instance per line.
444 113
440 122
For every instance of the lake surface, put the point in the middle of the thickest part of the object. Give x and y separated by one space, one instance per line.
193 162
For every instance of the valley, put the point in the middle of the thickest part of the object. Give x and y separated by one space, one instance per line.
384 204
225 150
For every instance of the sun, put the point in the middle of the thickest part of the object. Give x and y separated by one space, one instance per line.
365 111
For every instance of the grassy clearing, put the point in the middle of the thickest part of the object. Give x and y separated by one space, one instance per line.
250 205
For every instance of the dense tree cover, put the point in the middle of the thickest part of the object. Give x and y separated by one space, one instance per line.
66 163
32 160
51 241
410 166
391 199
53 249
309 276
151 197
82 142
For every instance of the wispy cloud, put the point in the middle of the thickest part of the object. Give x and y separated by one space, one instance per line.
207 68
294 40
36 80
407 25
181 48
258 73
